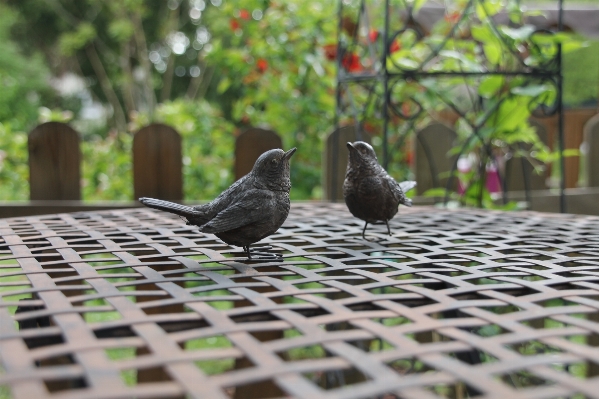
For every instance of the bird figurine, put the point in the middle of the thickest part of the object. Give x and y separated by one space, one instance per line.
251 209
370 193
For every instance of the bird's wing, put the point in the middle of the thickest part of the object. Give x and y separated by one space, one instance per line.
225 198
249 208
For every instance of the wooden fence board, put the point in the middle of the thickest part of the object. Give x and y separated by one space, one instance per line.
157 163
54 162
591 138
250 145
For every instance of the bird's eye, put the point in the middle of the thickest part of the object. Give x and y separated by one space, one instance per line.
274 161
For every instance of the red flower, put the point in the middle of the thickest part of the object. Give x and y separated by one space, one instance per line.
330 51
373 35
395 46
244 14
452 17
262 65
405 109
234 24
351 62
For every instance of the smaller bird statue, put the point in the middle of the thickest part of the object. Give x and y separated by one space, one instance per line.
253 208
370 193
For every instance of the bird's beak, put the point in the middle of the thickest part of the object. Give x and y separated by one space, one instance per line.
350 146
289 153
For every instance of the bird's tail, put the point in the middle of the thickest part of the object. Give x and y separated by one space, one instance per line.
407 185
171 207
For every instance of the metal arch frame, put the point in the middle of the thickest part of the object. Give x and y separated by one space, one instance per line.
548 72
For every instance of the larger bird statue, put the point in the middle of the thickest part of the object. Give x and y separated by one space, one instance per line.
253 208
370 193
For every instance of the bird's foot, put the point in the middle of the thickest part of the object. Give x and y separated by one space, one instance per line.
261 254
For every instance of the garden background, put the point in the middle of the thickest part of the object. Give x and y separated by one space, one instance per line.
207 68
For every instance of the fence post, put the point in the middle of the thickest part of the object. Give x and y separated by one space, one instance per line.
591 139
54 162
157 163
432 157
519 173
250 144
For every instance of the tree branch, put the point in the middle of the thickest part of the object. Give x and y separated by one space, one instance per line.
144 62
119 115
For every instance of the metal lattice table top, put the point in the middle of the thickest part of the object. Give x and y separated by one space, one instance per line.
456 303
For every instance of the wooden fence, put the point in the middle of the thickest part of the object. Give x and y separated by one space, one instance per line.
55 159
55 167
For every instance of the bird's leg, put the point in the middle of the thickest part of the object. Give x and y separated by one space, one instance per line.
364 231
261 255
388 229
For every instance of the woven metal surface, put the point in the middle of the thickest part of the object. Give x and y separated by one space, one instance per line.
463 303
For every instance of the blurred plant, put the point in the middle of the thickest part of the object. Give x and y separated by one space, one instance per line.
485 78
273 69
208 139
23 78
106 167
14 169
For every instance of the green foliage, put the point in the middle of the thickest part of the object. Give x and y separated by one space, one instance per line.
581 75
276 72
72 41
14 169
207 142
106 168
23 79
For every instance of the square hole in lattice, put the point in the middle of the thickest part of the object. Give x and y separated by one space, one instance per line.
56 385
129 376
99 311
532 348
392 321
259 389
409 366
372 345
340 378
101 259
295 350
581 369
490 330
524 378
217 359
457 390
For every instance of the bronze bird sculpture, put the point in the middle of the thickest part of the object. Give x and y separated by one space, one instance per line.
370 193
251 209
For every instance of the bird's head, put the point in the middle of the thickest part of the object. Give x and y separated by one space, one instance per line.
272 169
360 151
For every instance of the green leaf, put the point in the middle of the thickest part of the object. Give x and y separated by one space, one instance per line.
490 86
482 33
493 52
223 85
435 192
418 5
467 63
531 91
121 30
488 8
406 63
518 34
571 152
73 41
